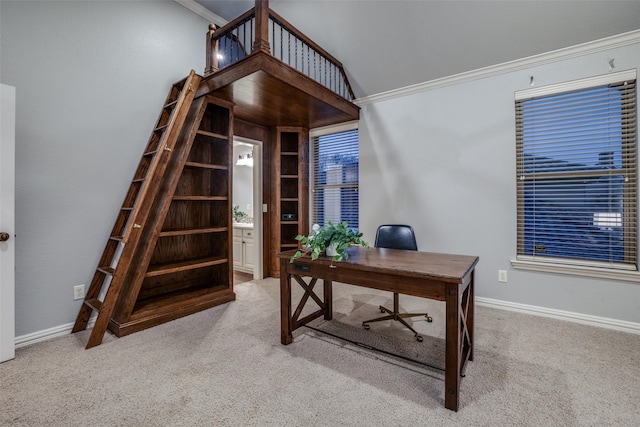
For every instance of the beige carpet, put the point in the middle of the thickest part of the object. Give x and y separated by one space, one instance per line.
226 367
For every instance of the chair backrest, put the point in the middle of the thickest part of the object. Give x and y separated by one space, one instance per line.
396 236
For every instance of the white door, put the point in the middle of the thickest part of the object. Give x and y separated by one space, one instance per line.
7 221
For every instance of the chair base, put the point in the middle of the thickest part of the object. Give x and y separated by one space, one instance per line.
396 315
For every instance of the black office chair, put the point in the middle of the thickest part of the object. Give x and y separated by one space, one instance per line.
395 236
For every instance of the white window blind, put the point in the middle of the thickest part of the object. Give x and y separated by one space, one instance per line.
576 149
334 190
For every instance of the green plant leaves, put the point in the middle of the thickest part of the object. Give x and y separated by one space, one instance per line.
321 237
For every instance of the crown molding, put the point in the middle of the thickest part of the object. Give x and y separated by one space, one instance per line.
608 43
203 11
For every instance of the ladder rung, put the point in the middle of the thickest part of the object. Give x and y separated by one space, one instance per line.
127 208
151 153
93 303
139 180
160 128
117 238
106 270
171 104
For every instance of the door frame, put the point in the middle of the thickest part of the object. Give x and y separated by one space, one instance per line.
258 234
7 221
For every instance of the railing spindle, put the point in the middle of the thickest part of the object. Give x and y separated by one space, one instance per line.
289 47
281 40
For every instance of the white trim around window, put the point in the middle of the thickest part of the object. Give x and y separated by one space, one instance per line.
577 270
589 82
326 130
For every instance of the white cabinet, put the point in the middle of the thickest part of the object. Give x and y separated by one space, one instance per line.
243 249
237 248
247 249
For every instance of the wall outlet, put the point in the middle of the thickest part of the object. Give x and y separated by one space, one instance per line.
78 292
502 276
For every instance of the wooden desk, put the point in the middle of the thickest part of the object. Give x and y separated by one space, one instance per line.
436 276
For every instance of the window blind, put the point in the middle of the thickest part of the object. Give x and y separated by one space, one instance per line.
576 159
334 178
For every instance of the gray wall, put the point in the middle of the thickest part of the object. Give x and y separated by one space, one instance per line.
443 160
90 78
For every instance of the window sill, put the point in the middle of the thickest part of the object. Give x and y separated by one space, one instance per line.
576 270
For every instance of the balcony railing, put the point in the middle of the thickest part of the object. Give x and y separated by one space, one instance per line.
231 43
261 29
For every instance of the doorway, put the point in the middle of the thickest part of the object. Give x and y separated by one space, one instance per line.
247 203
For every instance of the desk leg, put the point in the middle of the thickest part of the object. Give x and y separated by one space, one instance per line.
452 363
328 299
471 314
286 336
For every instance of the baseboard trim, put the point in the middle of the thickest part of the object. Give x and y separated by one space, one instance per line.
47 334
585 319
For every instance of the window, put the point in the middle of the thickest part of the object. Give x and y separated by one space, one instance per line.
576 173
334 177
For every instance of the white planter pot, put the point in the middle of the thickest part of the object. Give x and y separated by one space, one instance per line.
331 249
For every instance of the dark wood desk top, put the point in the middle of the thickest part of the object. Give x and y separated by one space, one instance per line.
445 267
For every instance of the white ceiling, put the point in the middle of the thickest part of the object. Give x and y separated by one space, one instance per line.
389 44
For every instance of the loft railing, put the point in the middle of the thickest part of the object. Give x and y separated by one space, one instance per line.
261 29
298 51
231 43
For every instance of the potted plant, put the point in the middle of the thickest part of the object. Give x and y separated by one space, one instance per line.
239 215
333 239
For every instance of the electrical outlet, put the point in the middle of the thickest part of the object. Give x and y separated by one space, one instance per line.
502 276
78 292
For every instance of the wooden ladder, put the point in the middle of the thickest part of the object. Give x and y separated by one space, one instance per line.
108 280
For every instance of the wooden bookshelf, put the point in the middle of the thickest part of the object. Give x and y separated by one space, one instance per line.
189 268
290 215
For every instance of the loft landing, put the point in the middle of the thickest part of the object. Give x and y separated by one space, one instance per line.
275 75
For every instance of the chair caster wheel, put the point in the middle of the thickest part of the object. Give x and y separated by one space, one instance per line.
381 310
366 327
429 318
419 338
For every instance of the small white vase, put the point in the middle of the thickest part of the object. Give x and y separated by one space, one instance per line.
331 249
